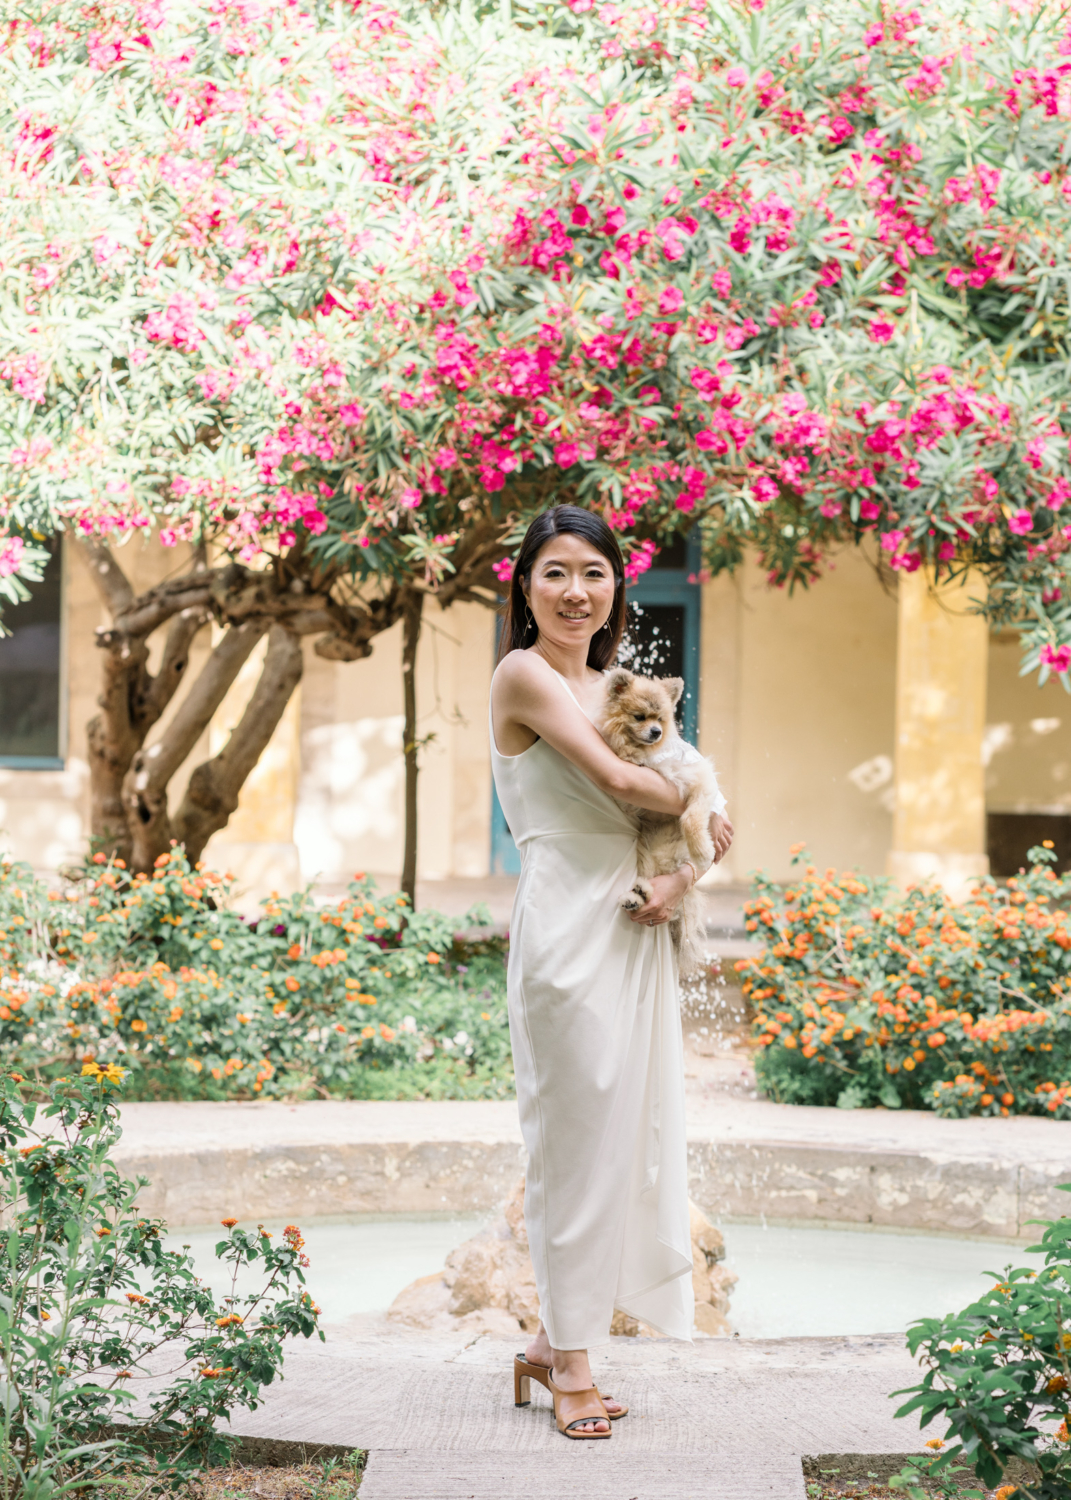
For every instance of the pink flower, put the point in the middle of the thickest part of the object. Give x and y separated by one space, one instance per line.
736 78
640 559
946 551
579 215
764 489
446 458
956 276
566 454
671 300
1056 657
351 414
10 554
880 331
873 35
410 497
722 281
503 569
869 510
1021 522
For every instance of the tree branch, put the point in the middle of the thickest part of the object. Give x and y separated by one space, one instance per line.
111 582
214 788
176 659
152 767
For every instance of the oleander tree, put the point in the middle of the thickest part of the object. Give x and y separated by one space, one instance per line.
332 298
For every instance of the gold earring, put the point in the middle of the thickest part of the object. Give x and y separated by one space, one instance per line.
529 623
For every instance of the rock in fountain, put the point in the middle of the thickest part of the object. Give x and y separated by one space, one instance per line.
488 1286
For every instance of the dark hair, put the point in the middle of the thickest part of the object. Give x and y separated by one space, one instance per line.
519 630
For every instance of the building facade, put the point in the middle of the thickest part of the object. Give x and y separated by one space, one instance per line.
879 723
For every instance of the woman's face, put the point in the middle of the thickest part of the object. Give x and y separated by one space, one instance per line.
571 590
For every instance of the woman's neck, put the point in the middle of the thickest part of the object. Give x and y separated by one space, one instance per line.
570 662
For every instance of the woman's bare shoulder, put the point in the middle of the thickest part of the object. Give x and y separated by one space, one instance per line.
522 671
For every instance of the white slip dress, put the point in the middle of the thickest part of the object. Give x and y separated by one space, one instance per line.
595 1024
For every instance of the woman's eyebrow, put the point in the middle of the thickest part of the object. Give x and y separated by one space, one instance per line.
555 562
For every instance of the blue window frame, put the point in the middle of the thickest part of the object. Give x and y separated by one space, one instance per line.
30 676
661 640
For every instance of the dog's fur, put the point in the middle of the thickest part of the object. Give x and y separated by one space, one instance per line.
637 722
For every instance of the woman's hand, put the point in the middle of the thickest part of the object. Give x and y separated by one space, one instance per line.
666 894
721 831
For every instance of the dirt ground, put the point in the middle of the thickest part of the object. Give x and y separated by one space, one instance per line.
335 1479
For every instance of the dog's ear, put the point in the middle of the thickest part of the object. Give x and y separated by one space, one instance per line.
618 681
674 686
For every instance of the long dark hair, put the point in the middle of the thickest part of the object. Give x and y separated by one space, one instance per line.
519 630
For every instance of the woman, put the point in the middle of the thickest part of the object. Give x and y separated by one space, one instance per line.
594 1014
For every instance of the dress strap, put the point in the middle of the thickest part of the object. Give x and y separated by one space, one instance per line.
567 688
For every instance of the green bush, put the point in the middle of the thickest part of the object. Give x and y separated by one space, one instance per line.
866 995
360 999
115 1354
998 1375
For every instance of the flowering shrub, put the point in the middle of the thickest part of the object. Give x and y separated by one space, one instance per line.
158 974
998 1374
90 1299
704 260
868 996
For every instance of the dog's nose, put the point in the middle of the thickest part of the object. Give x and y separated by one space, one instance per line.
654 734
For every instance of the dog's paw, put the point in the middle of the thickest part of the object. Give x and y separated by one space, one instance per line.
638 896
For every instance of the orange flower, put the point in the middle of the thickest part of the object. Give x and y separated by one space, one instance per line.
294 951
228 1223
935 1443
292 984
138 1026
381 922
216 943
433 958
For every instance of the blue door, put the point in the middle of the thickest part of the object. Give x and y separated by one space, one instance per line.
661 640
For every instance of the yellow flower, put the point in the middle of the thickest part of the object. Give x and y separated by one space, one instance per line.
935 1443
138 1026
216 944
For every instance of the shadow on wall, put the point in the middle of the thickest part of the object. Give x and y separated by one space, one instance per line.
350 797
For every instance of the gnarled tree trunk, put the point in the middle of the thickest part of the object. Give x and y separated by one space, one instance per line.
130 779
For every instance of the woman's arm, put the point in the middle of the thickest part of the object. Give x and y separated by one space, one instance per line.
526 693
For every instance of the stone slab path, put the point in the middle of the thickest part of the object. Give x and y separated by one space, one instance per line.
727 1419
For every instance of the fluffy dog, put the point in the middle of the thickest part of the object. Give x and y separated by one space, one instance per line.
637 722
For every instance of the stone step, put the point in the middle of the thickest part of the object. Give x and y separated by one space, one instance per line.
580 1471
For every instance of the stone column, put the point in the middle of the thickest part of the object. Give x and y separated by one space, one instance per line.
942 648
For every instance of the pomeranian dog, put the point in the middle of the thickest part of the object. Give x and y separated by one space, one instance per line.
637 722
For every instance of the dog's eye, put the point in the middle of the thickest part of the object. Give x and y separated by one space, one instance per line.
640 718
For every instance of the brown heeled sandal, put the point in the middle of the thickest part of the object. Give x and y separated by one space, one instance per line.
573 1408
524 1372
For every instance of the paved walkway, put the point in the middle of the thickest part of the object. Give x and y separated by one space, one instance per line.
723 1419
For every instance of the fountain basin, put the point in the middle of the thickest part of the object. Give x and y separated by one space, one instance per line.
796 1280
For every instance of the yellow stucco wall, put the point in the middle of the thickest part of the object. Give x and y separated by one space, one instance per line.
1028 736
350 798
796 707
